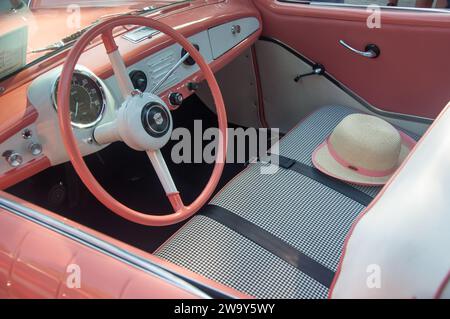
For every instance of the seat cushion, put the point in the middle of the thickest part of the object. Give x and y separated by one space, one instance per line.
300 211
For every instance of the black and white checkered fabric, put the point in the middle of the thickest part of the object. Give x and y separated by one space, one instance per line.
309 216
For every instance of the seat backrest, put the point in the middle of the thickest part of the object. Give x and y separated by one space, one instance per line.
399 247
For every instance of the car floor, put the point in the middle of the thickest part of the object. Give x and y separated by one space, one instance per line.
129 177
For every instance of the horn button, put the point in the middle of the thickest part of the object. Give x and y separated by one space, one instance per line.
155 119
144 122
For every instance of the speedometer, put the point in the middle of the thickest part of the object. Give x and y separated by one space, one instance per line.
87 101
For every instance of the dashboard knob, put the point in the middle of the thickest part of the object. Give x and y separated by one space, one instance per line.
14 159
35 148
27 134
189 61
176 99
139 80
236 29
192 86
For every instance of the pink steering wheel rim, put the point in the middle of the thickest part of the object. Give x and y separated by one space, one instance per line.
182 212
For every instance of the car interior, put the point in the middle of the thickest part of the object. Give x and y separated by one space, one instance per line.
283 66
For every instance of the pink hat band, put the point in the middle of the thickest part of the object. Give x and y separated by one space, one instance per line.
359 170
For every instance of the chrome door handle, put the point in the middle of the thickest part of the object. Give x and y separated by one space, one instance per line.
371 51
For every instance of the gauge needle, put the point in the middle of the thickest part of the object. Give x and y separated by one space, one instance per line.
76 108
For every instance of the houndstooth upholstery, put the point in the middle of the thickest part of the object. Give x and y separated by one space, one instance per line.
213 250
304 213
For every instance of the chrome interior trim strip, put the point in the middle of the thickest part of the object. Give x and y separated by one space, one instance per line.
365 6
111 250
367 105
384 7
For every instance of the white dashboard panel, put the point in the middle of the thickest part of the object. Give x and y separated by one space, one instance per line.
157 65
20 145
225 36
212 43
47 125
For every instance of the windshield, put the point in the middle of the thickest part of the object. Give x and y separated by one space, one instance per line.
30 30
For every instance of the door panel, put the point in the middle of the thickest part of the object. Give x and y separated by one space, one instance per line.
412 74
287 102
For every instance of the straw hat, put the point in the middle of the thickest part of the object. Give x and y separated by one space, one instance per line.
363 149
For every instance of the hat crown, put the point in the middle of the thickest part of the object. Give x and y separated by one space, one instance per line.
365 141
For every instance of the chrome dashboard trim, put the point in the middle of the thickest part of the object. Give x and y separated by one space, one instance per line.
131 35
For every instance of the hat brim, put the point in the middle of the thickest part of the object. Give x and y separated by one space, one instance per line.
325 162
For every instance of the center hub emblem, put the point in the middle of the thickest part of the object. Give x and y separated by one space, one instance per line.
158 119
155 119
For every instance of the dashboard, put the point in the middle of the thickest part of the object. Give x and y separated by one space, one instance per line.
34 143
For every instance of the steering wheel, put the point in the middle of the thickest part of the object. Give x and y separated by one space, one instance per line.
143 122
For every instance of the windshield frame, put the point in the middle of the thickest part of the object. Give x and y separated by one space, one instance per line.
59 51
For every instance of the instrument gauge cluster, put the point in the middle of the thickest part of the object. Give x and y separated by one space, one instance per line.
87 99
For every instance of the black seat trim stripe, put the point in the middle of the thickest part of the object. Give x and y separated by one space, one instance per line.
268 241
318 176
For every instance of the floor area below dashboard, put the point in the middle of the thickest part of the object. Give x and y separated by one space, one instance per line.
130 178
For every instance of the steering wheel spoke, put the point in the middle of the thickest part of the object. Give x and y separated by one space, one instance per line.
162 171
160 166
107 133
117 63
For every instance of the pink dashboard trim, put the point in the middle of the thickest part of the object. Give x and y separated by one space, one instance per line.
28 117
29 169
